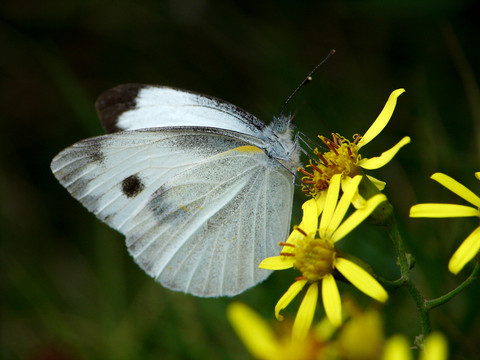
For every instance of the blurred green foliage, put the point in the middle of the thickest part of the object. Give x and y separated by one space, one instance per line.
70 289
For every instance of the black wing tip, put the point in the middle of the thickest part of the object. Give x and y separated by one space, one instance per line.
115 101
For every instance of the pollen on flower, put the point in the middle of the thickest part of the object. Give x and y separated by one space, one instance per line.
314 258
340 159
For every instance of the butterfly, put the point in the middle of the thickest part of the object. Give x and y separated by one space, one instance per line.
201 189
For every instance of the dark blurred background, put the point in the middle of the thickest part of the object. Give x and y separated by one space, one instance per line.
69 288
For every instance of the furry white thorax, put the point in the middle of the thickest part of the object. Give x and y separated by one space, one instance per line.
281 146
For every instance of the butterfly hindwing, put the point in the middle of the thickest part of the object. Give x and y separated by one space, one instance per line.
219 222
199 209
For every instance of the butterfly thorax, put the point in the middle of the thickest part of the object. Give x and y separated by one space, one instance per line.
280 144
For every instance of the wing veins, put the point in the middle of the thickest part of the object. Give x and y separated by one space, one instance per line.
186 238
201 197
192 231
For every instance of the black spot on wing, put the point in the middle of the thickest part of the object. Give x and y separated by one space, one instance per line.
132 186
112 103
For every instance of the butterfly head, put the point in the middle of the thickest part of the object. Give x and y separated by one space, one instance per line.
282 126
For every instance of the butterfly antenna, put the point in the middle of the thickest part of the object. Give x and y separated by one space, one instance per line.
305 139
306 80
305 147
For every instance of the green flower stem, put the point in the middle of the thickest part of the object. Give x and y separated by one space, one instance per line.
431 304
402 257
384 215
423 305
404 264
393 284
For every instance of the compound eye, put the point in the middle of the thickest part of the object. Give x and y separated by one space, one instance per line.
280 127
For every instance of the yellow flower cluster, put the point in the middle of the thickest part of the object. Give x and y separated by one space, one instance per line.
334 182
311 246
360 338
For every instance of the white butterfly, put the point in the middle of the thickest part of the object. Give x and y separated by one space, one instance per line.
201 189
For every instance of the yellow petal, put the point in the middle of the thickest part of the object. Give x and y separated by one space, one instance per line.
294 237
382 119
397 348
435 347
465 252
277 263
320 199
331 300
457 188
358 201
310 217
361 279
330 202
255 333
477 175
308 225
354 342
379 184
346 182
442 210
351 188
305 313
287 298
286 250
379 161
357 217
324 330
295 234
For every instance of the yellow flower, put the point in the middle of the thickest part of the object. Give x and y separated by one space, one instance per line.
263 343
317 258
397 348
471 245
360 338
344 157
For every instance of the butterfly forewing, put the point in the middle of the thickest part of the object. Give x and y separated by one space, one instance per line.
136 106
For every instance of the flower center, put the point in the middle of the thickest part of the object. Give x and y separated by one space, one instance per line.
314 257
340 159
